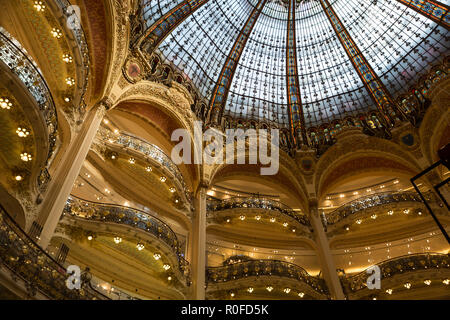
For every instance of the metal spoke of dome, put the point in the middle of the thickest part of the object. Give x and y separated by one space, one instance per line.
167 22
433 10
222 87
374 85
296 116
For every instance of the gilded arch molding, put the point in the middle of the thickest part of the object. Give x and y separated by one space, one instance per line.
360 146
436 121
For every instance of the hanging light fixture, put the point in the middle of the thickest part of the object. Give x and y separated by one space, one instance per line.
56 33
157 256
140 246
26 157
67 58
70 81
39 6
5 103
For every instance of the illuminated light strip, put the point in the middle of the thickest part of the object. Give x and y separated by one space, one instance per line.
377 90
161 28
296 116
433 10
226 75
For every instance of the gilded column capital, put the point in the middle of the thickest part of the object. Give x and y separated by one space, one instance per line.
106 103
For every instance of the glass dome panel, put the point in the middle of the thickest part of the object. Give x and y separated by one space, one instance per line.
398 43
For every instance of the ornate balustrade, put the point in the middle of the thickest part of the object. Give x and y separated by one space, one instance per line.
149 150
361 204
80 39
102 212
17 60
259 268
27 261
216 205
396 266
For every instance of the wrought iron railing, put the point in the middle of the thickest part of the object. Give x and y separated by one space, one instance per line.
371 201
214 205
150 150
16 58
41 273
260 268
111 213
395 266
80 38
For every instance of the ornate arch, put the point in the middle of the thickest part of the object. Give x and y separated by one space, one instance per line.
358 152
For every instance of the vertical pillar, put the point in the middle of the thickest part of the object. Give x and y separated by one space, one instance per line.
197 245
325 256
66 174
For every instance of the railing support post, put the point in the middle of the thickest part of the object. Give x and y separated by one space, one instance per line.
66 174
326 258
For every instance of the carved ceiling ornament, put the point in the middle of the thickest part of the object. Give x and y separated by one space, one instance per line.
120 9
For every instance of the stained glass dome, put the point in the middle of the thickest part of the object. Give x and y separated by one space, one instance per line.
258 59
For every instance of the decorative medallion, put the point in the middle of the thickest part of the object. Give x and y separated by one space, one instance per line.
133 70
408 139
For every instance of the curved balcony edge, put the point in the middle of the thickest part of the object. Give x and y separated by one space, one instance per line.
38 270
262 268
111 213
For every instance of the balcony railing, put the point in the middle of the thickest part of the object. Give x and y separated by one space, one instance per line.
215 205
41 273
150 150
80 39
259 268
365 203
399 265
111 213
16 58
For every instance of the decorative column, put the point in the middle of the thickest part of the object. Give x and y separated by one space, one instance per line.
378 92
222 88
65 176
433 10
197 239
325 256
